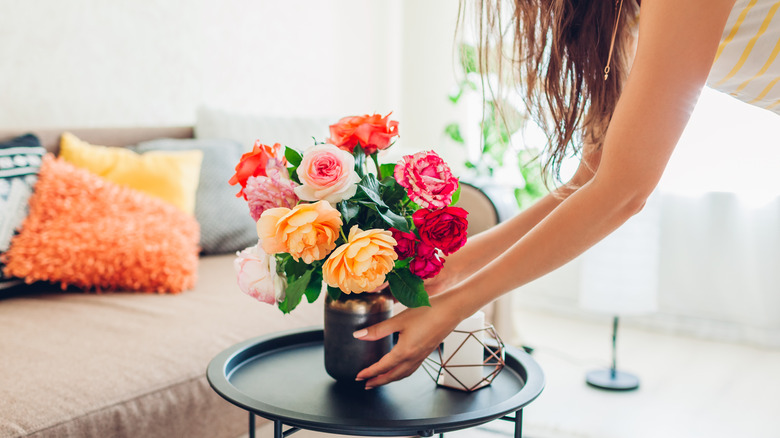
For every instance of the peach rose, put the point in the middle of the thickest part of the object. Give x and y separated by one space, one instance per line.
308 231
362 263
327 173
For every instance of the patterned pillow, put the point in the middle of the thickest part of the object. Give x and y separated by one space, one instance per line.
225 223
20 160
91 233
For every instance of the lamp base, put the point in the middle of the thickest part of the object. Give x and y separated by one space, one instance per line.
612 380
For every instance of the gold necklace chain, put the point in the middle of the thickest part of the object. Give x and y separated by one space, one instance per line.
618 8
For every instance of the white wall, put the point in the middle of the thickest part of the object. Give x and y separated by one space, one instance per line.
93 63
144 62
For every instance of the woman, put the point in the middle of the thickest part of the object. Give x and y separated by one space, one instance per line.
575 57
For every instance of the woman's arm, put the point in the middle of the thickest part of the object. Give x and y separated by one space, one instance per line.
487 245
677 43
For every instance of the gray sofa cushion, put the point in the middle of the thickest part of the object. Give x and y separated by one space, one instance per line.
225 223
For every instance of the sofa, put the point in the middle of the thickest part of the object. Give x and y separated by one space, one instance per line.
120 364
126 364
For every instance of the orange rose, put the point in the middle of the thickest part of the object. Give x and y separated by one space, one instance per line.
362 263
372 132
254 163
308 231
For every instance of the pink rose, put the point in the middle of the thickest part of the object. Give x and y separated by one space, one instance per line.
274 190
327 173
445 229
426 263
257 275
406 243
427 179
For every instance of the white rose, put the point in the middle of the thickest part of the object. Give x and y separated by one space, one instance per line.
257 277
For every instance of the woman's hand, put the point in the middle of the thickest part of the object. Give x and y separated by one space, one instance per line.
420 329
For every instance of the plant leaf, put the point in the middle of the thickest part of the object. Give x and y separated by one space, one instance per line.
388 169
334 292
360 160
293 157
456 195
295 291
389 217
453 132
348 211
408 288
314 287
400 264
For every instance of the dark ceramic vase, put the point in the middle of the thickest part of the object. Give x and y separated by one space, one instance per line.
346 356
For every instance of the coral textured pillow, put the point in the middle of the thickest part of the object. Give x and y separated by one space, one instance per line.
87 232
170 176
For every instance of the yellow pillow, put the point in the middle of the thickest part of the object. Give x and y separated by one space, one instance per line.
169 175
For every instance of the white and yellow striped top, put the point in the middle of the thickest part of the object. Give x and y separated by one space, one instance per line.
746 64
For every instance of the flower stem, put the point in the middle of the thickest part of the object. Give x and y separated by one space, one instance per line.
375 157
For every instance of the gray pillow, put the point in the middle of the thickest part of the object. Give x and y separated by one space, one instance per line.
225 223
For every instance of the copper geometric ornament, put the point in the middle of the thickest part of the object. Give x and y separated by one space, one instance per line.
492 364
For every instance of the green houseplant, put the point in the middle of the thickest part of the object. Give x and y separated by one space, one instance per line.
501 124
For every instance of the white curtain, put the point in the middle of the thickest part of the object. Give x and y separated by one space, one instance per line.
714 268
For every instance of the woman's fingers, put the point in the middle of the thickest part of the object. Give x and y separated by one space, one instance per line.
385 364
377 331
401 371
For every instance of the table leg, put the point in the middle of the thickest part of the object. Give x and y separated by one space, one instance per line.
519 424
251 425
278 429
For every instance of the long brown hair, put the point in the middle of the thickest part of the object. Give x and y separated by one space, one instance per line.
558 54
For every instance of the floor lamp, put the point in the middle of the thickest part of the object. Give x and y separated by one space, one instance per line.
619 278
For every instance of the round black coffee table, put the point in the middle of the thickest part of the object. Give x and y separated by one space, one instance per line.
282 377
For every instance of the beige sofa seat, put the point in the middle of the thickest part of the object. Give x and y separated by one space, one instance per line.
128 364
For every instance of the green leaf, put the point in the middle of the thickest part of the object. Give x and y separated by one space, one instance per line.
360 160
293 156
456 195
334 292
388 169
314 287
295 291
389 217
408 288
455 97
348 211
370 187
294 269
392 192
468 58
453 132
400 264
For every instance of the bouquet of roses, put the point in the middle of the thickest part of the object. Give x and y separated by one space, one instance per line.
328 219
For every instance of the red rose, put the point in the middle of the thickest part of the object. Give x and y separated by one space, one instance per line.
254 163
444 229
427 262
407 243
372 132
